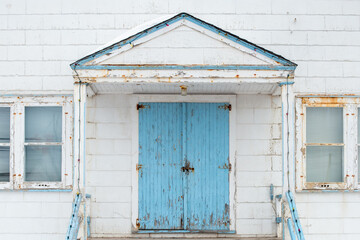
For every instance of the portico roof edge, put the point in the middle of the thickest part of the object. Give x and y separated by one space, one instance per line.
79 64
185 67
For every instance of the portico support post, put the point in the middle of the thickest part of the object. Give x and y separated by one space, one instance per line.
79 184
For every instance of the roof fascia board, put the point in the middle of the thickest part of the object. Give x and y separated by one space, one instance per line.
137 41
233 43
187 67
173 20
126 41
186 75
242 42
106 80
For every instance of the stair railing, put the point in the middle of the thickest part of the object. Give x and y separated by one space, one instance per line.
75 219
294 221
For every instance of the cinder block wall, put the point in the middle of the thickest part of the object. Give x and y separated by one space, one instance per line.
34 215
108 167
39 38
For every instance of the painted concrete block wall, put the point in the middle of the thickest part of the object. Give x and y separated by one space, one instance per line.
108 164
39 39
34 215
258 163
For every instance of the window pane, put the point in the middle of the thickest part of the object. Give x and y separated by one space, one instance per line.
43 124
324 125
43 163
324 164
4 164
4 124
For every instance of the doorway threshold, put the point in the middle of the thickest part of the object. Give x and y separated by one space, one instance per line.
187 231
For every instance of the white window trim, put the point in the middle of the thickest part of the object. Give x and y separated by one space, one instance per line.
177 98
8 185
350 171
17 141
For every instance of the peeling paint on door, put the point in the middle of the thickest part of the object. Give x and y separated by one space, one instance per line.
184 173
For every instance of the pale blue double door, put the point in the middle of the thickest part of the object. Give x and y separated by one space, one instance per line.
184 166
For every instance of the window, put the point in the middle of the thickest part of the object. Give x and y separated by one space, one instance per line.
35 143
327 143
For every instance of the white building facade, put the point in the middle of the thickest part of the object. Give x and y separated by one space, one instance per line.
179 127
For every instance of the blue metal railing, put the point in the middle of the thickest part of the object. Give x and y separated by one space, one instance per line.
291 228
294 220
74 225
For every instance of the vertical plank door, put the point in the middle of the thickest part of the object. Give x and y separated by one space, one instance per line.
160 161
207 155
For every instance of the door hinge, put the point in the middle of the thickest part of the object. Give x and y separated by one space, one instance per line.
138 167
141 106
137 223
225 107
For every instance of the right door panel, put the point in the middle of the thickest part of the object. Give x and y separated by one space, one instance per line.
206 205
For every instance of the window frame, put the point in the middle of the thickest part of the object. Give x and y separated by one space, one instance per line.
350 161
7 185
17 141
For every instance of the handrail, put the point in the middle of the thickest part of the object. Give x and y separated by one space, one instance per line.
74 225
294 219
291 228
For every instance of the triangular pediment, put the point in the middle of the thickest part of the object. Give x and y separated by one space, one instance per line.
181 40
182 46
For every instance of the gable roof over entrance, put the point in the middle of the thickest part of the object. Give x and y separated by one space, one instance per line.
165 54
162 25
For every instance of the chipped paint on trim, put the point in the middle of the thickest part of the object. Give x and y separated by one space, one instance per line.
350 173
186 67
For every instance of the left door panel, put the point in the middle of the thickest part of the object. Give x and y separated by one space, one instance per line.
161 200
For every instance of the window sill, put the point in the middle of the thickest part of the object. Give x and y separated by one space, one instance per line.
327 190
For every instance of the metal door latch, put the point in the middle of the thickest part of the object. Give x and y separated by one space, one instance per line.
187 167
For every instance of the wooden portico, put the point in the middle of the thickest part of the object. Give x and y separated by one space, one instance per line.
162 62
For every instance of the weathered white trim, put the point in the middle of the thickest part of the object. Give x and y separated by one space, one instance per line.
176 75
17 146
299 126
288 141
8 185
230 42
79 136
350 161
190 98
80 98
350 148
139 41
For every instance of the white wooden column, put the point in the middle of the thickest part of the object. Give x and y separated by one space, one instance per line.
288 146
288 136
79 185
